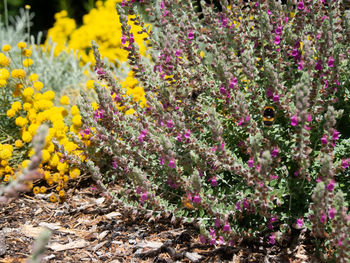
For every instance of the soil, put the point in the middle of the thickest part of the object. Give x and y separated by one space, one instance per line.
91 228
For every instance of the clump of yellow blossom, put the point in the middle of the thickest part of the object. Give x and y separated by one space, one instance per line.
64 100
27 62
21 45
18 73
6 48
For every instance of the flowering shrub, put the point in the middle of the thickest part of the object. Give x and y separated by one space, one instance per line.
241 126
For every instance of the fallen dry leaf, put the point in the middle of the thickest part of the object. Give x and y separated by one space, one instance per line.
72 245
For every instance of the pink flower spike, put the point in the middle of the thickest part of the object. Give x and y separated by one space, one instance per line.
217 223
190 35
196 199
250 162
214 182
123 41
277 40
323 218
331 62
330 186
331 213
309 118
300 5
226 227
172 163
272 240
276 98
294 120
324 140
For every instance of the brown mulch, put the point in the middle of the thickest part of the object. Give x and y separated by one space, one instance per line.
89 228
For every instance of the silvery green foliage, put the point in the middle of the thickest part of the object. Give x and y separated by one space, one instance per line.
62 74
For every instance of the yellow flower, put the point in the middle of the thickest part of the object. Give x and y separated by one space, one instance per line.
18 143
4 61
64 100
10 113
6 48
7 178
38 85
27 137
94 105
21 122
2 83
27 106
33 77
77 120
62 167
21 45
18 73
28 92
3 163
8 169
5 154
27 62
74 110
90 84
74 173
61 193
27 52
25 163
4 74
53 198
45 156
49 95
36 190
43 189
16 106
54 160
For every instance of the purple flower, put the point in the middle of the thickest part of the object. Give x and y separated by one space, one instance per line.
300 65
274 152
300 222
331 213
212 241
202 239
295 52
323 218
114 165
345 163
144 196
170 124
100 71
131 39
277 40
294 120
276 98
245 203
217 222
272 240
226 227
330 186
233 83
335 135
223 90
161 160
190 35
278 30
212 232
123 40
324 139
179 137
221 240
178 53
187 134
196 199
213 182
318 65
300 5
331 62
269 93
309 118
250 162
172 163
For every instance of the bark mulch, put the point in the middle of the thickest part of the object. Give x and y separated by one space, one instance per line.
90 228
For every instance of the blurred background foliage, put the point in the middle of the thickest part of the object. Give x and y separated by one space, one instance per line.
45 10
